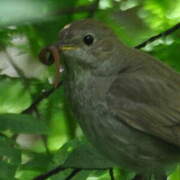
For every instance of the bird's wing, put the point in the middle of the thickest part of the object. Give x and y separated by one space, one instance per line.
147 104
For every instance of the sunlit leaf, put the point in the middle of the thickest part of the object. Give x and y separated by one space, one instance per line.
14 97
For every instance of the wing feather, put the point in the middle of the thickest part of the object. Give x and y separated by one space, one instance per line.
146 103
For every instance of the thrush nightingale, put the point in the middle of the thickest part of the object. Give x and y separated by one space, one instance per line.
126 102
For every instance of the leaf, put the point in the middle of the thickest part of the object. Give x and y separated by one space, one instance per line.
80 154
176 174
9 152
22 123
7 171
62 154
14 98
85 156
82 175
62 175
39 162
160 14
15 12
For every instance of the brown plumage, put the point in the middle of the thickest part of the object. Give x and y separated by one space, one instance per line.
126 101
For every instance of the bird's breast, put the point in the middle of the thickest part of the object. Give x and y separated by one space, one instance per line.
87 94
116 140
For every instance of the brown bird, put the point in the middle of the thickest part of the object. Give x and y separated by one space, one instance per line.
126 101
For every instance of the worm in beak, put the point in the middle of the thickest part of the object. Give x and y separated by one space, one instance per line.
51 55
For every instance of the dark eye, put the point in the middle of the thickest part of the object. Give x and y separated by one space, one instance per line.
88 39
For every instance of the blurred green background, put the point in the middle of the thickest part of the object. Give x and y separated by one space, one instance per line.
33 141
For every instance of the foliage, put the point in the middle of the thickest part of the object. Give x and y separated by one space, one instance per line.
53 135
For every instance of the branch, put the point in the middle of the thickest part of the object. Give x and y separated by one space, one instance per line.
160 35
74 172
50 173
41 97
60 169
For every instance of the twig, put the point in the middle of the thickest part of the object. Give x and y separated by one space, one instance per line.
60 169
41 97
50 173
111 173
74 172
153 38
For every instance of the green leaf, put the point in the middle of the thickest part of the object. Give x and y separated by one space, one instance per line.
7 171
80 154
82 175
9 152
85 156
14 97
38 162
160 14
176 174
22 123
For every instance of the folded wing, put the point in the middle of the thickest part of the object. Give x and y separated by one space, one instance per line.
146 103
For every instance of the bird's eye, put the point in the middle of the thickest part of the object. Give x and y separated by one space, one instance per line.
88 39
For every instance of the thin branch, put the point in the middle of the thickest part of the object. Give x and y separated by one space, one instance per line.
111 174
160 35
50 173
74 173
60 169
41 97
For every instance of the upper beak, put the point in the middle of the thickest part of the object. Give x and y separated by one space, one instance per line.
67 47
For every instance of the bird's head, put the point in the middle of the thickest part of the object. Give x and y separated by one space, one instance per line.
85 45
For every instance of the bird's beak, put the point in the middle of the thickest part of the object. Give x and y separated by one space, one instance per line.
67 48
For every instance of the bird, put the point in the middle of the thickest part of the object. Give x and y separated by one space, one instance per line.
126 101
